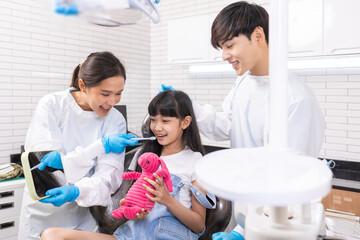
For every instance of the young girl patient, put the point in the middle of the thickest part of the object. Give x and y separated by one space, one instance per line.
181 214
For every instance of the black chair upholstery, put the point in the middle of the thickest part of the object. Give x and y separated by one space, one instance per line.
107 223
217 219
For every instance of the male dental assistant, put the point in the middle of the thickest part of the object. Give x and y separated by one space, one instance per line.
241 31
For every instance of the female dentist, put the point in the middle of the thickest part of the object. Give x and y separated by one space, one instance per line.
82 124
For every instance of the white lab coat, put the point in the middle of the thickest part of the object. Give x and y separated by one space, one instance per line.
59 123
245 116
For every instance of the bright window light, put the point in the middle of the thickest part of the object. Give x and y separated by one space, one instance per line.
322 62
211 68
341 61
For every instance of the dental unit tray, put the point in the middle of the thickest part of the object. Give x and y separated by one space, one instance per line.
264 176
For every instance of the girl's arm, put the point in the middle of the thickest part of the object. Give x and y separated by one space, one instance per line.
193 218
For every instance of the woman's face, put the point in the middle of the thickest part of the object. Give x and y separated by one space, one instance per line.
168 131
104 96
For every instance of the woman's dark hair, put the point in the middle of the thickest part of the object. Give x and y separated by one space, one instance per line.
175 104
97 67
239 18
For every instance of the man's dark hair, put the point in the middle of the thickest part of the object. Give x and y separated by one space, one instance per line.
238 18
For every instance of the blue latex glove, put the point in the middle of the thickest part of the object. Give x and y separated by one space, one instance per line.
165 88
233 235
116 143
65 9
52 159
61 195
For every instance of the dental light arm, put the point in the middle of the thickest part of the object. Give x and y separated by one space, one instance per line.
110 12
75 7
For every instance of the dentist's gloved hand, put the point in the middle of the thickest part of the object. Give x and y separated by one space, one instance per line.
65 9
233 235
165 88
61 195
52 159
116 143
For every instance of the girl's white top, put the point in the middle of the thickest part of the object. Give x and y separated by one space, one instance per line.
182 164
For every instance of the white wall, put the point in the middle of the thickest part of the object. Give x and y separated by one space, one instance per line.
338 93
38 52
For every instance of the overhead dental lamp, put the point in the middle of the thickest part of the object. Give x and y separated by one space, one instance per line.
110 13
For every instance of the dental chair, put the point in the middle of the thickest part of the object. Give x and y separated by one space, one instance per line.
216 219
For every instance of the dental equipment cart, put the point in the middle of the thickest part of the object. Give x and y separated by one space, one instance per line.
11 193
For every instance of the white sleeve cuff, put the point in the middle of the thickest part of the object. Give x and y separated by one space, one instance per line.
78 163
240 230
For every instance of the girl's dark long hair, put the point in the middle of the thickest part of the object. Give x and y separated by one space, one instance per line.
175 104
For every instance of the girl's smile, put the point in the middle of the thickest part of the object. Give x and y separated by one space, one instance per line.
160 137
168 131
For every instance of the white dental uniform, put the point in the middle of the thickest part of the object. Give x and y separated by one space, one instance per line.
245 116
60 123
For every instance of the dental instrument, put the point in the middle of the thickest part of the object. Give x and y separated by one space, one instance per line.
51 159
35 167
146 138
